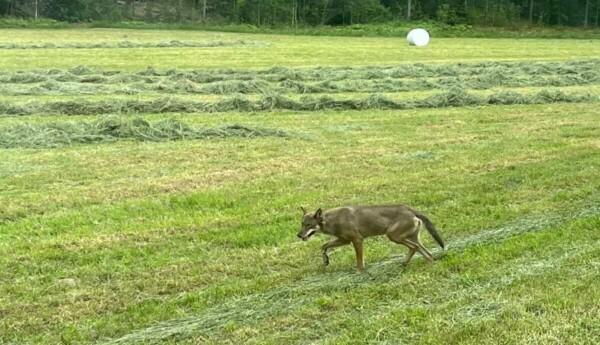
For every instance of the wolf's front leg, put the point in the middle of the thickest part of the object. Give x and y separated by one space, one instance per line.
329 245
358 248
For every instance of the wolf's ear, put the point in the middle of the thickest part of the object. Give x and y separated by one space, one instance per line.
318 214
303 210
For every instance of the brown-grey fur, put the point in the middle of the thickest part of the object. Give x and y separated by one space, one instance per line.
352 224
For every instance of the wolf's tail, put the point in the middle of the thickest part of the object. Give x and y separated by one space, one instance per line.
431 228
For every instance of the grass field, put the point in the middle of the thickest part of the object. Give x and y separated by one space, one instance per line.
150 188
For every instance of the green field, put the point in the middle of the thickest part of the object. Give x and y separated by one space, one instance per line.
150 184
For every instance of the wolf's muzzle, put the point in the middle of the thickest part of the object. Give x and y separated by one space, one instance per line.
309 233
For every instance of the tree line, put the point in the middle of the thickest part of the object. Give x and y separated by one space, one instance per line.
313 12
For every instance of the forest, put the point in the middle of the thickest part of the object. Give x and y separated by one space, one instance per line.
508 13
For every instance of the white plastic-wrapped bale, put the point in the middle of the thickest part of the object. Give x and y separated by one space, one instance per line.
418 37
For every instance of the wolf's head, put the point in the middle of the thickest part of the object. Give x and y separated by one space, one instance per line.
311 224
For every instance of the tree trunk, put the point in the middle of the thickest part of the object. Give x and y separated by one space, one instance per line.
324 15
409 10
149 10
194 10
350 12
303 14
295 13
487 9
36 10
531 11
587 13
204 11
597 11
258 14
234 13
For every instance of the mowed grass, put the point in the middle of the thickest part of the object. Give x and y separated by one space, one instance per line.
193 241
278 50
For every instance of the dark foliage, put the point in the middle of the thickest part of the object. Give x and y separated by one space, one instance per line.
313 12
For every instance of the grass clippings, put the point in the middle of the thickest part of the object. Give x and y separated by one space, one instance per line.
114 128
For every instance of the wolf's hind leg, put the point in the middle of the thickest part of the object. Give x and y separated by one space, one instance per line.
426 254
417 239
409 256
399 231
402 233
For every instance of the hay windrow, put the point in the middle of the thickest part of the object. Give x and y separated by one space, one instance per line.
453 98
133 84
304 81
115 128
406 71
507 98
131 44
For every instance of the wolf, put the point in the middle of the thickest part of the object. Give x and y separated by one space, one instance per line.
352 224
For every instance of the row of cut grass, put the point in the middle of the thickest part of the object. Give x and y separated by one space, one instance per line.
455 97
127 44
114 128
254 86
85 74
